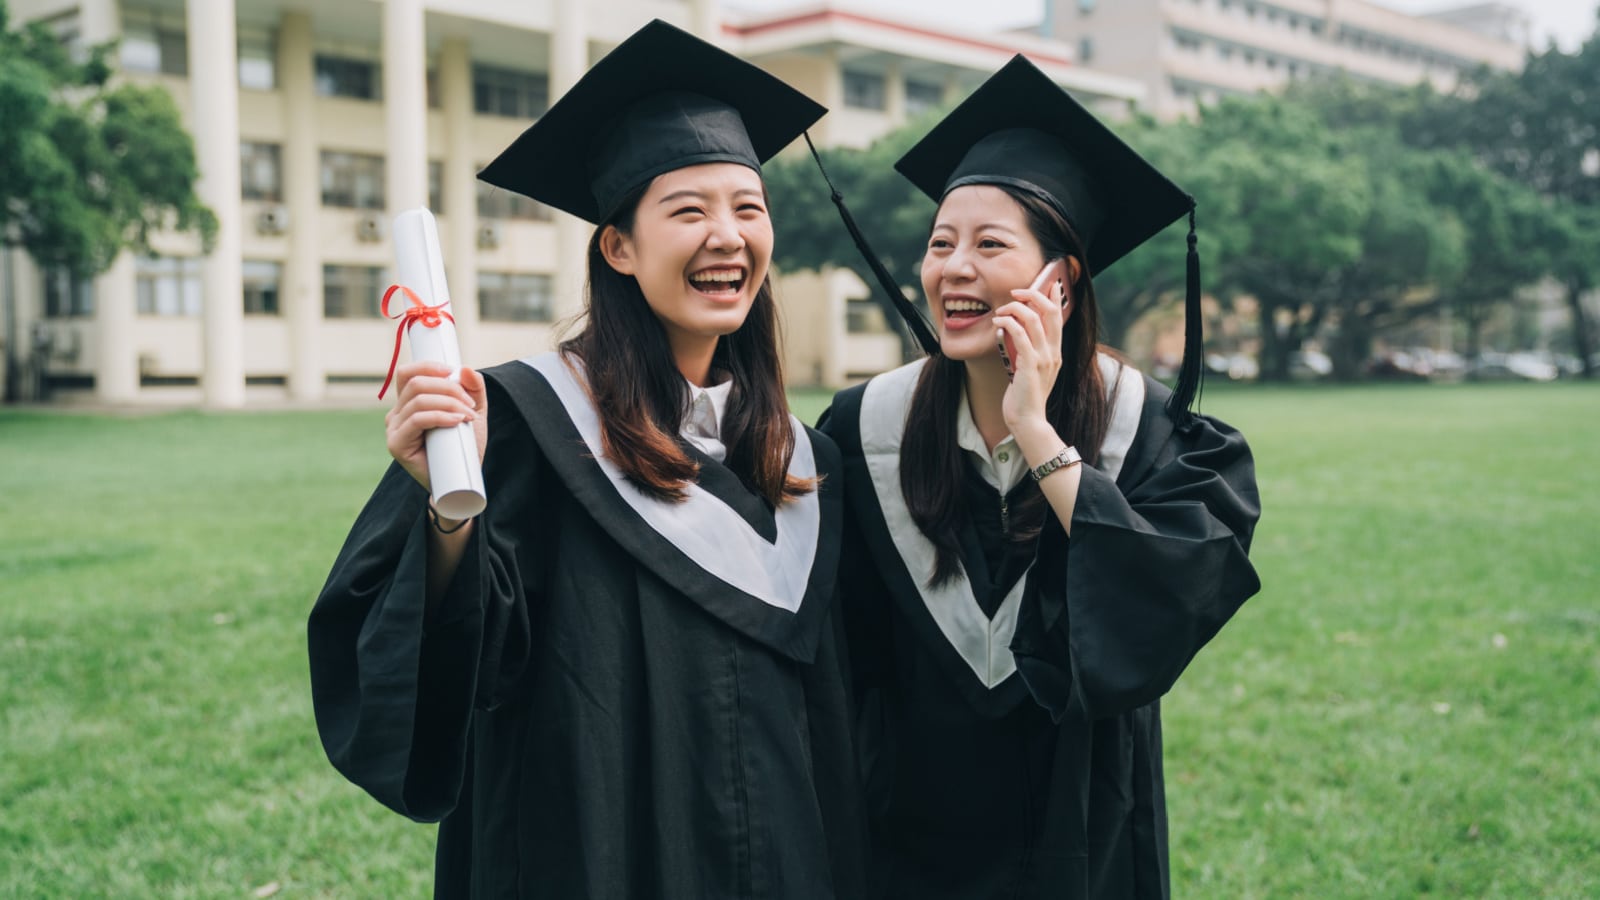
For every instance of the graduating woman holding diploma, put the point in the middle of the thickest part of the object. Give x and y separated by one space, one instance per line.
623 679
1039 538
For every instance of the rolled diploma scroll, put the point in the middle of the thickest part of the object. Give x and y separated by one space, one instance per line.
453 468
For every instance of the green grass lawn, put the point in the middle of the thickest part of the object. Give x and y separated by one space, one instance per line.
1412 706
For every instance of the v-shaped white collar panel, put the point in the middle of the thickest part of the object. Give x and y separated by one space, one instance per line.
706 529
983 642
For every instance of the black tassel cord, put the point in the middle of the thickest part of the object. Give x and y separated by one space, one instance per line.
1191 373
908 311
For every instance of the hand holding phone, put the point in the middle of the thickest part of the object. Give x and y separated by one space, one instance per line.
1053 275
1054 272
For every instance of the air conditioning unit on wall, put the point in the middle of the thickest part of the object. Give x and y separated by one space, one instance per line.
273 219
370 227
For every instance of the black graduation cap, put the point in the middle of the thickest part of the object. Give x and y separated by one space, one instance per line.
662 100
1022 130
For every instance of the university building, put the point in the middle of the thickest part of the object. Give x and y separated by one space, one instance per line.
315 123
1189 52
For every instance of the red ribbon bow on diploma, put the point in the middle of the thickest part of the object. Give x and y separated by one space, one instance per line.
417 312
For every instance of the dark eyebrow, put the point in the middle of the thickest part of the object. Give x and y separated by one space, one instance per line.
679 195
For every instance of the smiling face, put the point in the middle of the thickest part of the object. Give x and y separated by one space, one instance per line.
981 249
699 246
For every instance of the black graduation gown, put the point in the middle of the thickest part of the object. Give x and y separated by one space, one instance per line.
601 706
1009 724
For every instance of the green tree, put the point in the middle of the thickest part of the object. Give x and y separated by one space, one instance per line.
1539 127
1408 249
87 166
1287 204
1509 229
891 213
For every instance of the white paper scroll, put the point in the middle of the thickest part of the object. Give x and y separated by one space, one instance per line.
453 468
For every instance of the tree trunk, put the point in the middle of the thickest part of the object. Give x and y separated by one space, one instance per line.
1580 327
1275 349
1474 337
1352 343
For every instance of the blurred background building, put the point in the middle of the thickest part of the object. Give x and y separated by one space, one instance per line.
316 122
1194 51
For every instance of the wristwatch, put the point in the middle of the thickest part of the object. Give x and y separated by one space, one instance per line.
1066 459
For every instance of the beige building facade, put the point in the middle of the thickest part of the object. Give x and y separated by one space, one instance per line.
315 123
1190 52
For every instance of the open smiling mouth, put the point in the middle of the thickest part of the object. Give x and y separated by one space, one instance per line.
965 309
719 282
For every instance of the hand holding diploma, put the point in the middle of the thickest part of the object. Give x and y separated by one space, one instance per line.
430 397
438 428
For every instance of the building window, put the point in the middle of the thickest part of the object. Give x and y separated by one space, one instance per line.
1186 42
260 172
1085 7
495 203
508 92
353 292
352 180
67 27
1085 49
261 281
922 96
157 48
513 297
864 90
168 285
1224 51
258 62
340 76
67 295
436 186
864 316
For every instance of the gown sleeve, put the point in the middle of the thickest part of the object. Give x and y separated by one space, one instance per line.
1150 573
394 683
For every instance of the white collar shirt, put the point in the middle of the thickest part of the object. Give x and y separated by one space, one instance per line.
702 426
1005 467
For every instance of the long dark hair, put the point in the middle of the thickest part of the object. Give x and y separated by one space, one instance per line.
932 468
642 398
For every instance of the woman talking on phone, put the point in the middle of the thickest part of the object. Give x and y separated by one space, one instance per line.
1043 537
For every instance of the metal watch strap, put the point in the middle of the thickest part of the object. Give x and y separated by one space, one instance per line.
1067 458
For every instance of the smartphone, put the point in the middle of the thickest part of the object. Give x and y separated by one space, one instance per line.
1053 273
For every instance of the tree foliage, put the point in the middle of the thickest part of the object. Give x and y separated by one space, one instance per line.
892 214
1538 128
87 166
1285 204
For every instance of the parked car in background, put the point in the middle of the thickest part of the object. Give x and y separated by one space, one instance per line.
1233 366
1309 365
1398 365
1511 367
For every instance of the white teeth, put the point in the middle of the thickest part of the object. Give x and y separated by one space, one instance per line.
965 306
718 275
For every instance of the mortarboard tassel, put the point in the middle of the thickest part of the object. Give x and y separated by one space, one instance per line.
1192 372
908 311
